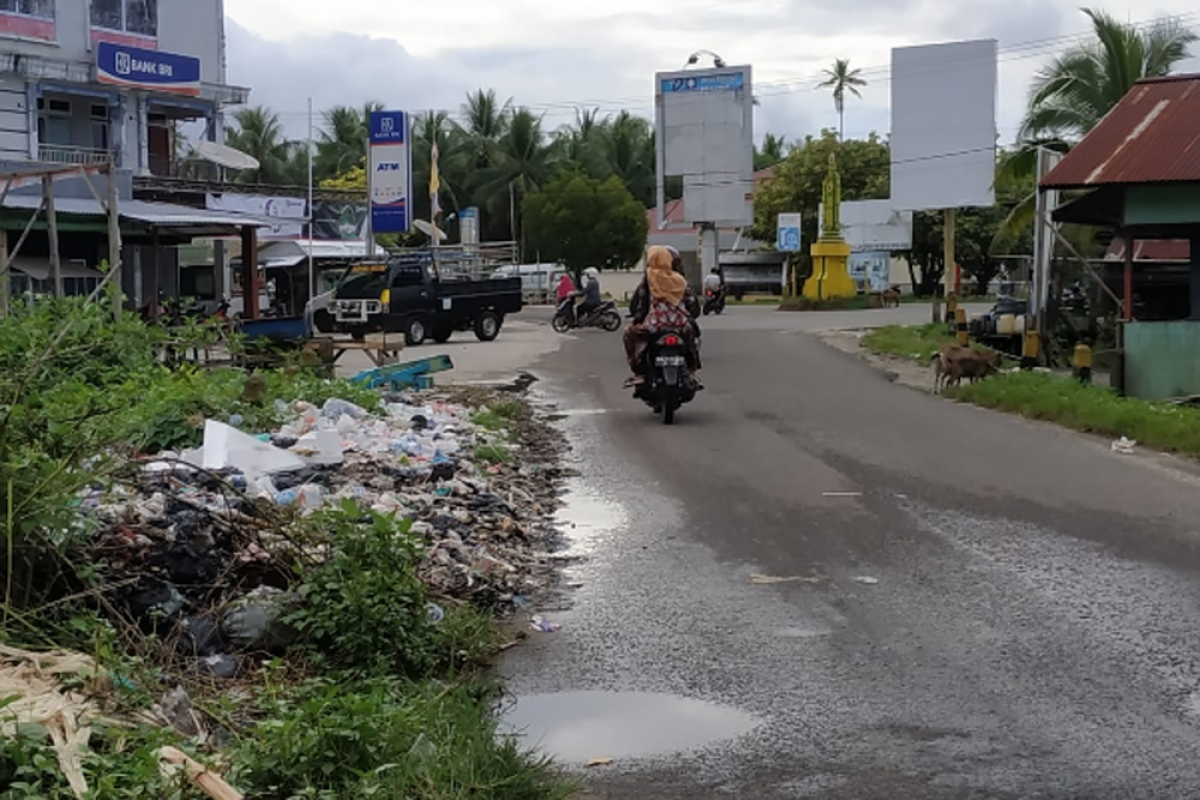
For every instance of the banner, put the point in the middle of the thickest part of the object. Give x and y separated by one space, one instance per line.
289 211
390 175
339 221
875 268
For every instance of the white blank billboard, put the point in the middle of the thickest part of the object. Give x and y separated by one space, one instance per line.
944 125
871 226
705 134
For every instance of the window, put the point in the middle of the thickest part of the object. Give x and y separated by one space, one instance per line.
55 125
138 17
408 276
41 9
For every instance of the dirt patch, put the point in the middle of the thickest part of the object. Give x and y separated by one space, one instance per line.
900 370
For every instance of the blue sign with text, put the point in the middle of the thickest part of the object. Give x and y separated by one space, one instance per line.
724 82
391 172
122 65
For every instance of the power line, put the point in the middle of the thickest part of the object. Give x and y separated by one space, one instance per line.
1034 48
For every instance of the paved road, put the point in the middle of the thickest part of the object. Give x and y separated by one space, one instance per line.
1008 610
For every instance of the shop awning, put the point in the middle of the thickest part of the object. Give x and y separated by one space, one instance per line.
179 220
39 269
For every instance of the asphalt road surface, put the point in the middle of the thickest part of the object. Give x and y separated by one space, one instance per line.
875 593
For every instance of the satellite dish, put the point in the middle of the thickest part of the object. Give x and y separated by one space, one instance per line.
426 228
225 156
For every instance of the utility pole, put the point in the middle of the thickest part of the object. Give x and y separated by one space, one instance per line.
52 233
114 240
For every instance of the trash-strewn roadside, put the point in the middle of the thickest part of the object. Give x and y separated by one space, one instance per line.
292 603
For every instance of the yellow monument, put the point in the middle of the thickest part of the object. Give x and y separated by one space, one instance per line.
830 253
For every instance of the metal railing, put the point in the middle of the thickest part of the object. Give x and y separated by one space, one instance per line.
67 154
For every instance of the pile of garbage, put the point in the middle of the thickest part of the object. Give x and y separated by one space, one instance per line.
197 545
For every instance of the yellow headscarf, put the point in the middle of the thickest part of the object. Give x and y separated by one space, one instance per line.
665 283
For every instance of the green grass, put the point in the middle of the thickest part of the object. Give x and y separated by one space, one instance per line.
1089 409
914 342
493 454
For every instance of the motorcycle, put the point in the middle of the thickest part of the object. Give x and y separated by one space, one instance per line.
605 317
714 302
669 383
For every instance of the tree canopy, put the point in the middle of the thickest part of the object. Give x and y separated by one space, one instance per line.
583 222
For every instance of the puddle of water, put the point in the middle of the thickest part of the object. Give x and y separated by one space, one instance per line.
1192 704
566 413
587 516
575 727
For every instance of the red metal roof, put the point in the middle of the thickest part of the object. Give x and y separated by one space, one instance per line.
1151 136
1156 250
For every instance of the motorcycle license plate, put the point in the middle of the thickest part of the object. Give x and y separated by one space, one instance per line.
670 361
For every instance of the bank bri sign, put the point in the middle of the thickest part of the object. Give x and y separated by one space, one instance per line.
390 180
152 70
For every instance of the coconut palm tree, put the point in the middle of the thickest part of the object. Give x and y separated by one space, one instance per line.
430 127
773 151
581 141
523 161
628 147
258 132
841 79
341 144
1072 93
485 123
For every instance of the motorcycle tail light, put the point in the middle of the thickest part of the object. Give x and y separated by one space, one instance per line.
671 341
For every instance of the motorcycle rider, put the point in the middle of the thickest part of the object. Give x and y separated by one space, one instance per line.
654 306
592 298
713 281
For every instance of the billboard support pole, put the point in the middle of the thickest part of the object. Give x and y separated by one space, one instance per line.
948 255
370 237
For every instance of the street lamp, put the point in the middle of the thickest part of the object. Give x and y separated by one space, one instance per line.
694 59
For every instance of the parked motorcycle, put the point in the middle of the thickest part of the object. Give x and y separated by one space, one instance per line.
605 317
714 302
669 383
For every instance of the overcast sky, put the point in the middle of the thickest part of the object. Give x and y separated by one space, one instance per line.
553 55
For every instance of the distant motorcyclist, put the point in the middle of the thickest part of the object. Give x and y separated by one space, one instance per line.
592 298
713 281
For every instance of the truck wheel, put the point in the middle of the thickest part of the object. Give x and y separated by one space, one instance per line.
442 333
487 326
414 332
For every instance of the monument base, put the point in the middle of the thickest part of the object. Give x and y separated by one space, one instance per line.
831 272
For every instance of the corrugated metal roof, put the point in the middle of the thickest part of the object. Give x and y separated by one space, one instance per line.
1157 250
163 215
1151 136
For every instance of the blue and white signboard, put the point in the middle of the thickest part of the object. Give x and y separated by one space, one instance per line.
391 172
872 270
724 82
787 237
154 70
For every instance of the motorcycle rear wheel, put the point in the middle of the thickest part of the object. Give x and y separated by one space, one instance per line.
611 321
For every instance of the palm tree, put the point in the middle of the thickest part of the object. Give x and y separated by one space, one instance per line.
841 79
259 133
1074 92
486 121
430 127
581 141
773 151
342 141
522 162
628 146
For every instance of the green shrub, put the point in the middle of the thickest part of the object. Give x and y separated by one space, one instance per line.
393 741
365 609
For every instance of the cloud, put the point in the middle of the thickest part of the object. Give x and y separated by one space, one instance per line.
552 56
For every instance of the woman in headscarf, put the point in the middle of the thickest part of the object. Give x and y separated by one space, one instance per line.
664 305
